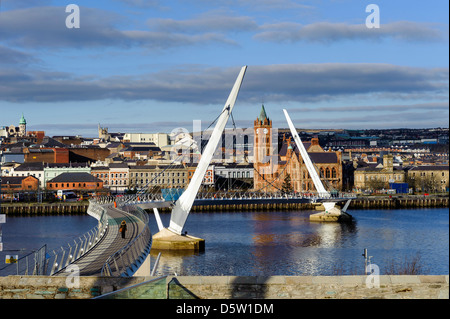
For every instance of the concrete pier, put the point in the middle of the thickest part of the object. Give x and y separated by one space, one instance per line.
334 214
330 217
168 240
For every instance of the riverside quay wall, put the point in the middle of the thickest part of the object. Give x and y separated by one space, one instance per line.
43 208
232 287
369 202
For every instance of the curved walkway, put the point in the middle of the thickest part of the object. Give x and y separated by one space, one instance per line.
91 263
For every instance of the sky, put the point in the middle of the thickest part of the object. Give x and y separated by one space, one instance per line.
157 65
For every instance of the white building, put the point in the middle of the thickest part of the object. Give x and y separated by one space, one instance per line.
119 177
160 139
239 171
30 169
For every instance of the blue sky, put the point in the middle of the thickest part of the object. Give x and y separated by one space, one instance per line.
153 66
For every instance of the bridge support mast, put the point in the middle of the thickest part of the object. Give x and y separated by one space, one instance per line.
332 213
172 237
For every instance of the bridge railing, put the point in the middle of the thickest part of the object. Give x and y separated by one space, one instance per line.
261 195
63 257
128 259
32 264
43 263
312 196
121 200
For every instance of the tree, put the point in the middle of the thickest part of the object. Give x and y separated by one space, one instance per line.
287 186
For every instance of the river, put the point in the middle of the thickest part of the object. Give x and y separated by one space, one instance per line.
273 243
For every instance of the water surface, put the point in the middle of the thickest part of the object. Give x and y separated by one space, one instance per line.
270 243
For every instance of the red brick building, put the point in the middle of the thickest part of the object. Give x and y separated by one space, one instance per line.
271 170
10 185
46 155
75 182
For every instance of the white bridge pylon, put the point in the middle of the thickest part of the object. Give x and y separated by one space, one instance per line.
183 205
311 169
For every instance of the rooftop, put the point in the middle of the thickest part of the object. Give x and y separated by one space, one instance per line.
75 177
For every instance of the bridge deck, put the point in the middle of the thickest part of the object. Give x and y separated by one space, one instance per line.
92 262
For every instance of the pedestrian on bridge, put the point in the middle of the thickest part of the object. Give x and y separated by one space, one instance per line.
123 228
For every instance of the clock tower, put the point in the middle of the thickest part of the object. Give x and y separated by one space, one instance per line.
262 138
262 148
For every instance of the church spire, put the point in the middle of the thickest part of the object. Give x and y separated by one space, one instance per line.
263 115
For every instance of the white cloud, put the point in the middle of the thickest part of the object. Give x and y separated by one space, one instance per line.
277 83
44 27
141 3
431 106
212 21
333 32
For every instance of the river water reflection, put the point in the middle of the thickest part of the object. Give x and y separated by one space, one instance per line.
287 243
271 243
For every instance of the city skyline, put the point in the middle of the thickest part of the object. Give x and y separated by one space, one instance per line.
153 66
